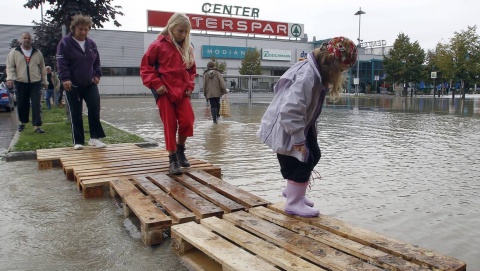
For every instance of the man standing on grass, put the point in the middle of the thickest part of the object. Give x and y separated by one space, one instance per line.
26 70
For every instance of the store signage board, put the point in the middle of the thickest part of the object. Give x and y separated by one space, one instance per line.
230 24
209 51
276 54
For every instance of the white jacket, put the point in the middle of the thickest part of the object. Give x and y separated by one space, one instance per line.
299 96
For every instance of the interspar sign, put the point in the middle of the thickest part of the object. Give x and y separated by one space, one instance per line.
229 24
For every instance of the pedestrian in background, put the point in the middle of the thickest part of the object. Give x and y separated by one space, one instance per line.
168 69
79 69
289 125
26 71
213 88
53 87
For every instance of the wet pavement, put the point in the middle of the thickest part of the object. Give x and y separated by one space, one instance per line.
8 128
405 168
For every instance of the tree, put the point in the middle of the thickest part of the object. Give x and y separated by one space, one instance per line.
251 63
49 32
404 63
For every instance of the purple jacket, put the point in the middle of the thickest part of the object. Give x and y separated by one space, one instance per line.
74 64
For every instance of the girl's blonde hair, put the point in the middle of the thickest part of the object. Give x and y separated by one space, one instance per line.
330 70
185 47
80 19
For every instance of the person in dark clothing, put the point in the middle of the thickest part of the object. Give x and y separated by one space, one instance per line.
79 70
53 87
26 72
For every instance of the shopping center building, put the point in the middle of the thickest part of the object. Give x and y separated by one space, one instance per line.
227 39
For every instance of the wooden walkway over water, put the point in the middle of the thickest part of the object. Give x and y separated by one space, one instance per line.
217 226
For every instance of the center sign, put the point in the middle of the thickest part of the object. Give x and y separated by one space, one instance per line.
229 24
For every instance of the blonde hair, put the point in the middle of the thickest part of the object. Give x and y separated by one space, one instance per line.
185 49
80 19
331 71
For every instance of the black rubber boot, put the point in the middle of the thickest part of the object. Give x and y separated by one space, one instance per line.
214 111
182 159
174 168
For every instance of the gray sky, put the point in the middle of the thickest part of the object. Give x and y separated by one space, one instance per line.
425 21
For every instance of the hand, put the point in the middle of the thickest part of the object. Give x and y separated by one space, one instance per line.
67 85
161 90
188 92
96 80
300 148
45 86
10 84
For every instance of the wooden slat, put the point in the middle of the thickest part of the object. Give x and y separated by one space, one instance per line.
392 246
243 197
371 255
228 255
278 256
201 207
49 154
148 214
310 249
175 209
218 199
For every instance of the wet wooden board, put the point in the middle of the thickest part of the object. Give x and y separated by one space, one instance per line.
207 192
230 191
277 256
98 173
366 253
152 220
201 207
93 187
409 252
48 158
316 252
191 236
175 209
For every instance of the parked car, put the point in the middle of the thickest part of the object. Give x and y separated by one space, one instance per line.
7 98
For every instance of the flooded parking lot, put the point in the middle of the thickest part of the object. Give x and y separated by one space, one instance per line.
406 168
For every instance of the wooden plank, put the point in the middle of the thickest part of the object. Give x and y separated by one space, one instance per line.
319 253
389 245
228 255
201 207
278 256
368 254
148 214
230 191
175 209
49 154
93 187
218 199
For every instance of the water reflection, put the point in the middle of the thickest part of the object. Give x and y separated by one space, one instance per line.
404 167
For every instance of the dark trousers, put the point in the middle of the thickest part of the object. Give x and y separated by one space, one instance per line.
292 169
29 93
75 98
215 107
49 94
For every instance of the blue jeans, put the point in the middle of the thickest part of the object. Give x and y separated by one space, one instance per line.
49 94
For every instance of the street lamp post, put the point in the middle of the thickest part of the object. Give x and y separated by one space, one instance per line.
359 13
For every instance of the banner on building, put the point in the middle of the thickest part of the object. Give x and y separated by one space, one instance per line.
230 24
276 54
209 51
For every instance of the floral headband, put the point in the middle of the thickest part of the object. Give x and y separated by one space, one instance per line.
343 49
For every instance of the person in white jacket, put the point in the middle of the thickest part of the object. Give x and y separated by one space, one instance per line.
288 126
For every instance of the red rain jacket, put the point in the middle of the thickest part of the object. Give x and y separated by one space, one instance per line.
172 71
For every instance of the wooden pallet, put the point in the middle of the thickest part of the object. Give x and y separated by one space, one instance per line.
269 239
159 200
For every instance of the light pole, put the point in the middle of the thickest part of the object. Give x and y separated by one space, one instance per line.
359 13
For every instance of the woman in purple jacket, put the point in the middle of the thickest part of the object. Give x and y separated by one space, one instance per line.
79 70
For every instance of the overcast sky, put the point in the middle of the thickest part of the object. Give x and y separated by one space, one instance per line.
425 21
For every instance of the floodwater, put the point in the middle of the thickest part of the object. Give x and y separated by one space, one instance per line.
403 167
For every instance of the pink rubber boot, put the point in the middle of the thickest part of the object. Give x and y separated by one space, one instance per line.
308 201
295 204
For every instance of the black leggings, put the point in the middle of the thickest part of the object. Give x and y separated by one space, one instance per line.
292 169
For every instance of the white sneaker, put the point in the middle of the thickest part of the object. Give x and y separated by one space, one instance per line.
78 147
97 143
